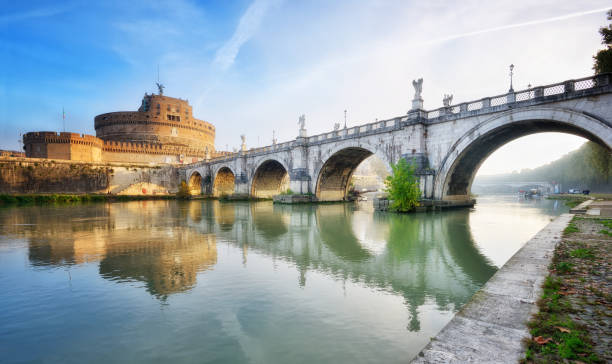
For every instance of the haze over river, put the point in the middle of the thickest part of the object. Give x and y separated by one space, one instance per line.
209 281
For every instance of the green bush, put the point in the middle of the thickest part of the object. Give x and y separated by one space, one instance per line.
183 191
403 186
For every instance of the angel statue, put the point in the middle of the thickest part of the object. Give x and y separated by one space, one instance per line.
418 88
336 126
302 122
447 100
243 145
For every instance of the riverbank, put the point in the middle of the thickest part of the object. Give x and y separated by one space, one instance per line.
573 323
491 327
573 200
74 198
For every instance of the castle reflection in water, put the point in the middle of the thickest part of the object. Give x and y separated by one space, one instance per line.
167 245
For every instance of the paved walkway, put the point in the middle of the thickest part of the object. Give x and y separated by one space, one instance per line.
491 327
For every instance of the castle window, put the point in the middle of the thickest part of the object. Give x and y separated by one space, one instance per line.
158 106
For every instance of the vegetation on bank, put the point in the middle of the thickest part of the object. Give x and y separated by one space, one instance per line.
68 198
575 200
402 187
588 167
575 305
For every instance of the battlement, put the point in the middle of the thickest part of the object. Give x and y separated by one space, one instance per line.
51 137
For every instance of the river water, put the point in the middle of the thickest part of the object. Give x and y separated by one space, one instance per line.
209 281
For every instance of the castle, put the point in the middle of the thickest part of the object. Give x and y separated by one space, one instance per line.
163 130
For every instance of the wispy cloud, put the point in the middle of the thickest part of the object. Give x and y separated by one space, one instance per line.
30 14
248 25
516 25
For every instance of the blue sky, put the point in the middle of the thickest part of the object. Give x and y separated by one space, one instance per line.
251 67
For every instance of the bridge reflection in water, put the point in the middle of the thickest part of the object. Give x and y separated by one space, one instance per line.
166 244
329 283
415 256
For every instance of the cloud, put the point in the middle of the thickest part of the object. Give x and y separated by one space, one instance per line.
511 26
248 25
30 14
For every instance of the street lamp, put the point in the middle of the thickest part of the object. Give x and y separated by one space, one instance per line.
511 73
344 119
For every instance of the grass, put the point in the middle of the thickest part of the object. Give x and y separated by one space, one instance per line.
573 203
571 228
555 336
605 232
30 199
582 253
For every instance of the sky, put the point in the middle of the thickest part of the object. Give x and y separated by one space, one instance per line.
252 67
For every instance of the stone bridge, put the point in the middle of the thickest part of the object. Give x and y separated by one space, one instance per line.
448 144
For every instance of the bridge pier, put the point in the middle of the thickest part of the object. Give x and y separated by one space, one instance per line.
300 181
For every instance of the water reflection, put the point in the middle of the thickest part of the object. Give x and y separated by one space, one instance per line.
131 242
416 256
243 282
166 244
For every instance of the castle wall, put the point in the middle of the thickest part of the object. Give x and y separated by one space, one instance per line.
31 175
68 146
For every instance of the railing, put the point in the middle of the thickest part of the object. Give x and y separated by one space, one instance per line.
565 87
477 106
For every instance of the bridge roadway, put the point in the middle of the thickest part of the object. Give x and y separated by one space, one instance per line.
448 144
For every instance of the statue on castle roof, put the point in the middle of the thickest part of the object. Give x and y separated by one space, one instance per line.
160 87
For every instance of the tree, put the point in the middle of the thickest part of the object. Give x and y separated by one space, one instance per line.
603 58
403 186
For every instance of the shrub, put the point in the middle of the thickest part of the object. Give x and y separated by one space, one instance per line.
183 191
403 186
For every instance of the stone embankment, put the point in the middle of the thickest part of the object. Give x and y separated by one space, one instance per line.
33 175
382 204
492 326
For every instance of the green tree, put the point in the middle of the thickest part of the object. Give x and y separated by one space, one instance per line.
403 186
603 58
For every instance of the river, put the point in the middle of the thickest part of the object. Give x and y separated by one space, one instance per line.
233 282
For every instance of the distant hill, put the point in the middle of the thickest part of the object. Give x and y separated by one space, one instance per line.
588 167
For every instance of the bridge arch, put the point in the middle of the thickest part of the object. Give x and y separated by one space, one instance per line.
194 183
458 168
271 177
224 181
337 168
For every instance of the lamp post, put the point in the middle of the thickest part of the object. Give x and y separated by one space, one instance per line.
511 73
344 119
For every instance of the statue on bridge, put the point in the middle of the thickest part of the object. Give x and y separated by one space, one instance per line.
417 101
418 88
243 146
447 100
302 124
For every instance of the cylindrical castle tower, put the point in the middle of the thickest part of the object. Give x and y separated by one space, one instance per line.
162 120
